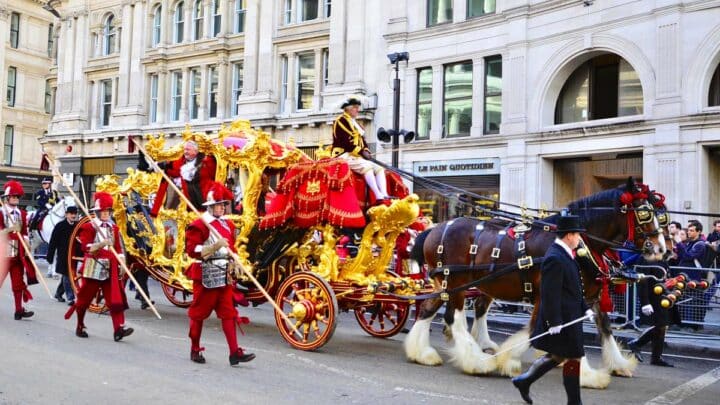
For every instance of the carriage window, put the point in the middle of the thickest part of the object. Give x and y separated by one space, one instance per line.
603 87
714 96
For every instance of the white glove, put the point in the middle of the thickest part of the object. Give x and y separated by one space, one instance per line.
590 314
177 181
647 310
554 330
48 206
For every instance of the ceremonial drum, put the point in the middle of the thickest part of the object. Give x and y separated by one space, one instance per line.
96 269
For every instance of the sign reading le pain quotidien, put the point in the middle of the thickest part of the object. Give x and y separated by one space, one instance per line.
460 167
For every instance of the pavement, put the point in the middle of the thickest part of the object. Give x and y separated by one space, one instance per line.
704 344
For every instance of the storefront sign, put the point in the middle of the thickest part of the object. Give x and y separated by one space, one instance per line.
460 167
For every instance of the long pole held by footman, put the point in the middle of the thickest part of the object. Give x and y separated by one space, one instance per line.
102 234
214 232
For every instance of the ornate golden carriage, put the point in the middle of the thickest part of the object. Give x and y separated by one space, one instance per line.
297 265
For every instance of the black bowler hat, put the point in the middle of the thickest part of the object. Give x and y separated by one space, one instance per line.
71 210
569 223
349 102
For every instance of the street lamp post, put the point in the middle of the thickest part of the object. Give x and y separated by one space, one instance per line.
395 133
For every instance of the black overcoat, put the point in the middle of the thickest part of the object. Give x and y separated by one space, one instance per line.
60 243
562 301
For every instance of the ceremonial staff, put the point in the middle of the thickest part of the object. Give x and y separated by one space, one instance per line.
104 236
214 233
28 252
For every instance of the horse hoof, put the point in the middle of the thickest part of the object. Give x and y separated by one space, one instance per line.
430 358
622 373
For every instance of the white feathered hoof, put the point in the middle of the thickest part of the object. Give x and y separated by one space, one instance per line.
417 345
613 359
509 363
465 353
591 378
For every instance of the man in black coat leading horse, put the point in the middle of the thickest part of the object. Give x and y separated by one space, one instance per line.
561 302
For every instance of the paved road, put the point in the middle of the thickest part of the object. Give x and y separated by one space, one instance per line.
42 362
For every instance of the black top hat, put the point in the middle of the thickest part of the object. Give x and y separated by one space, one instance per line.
569 223
71 210
349 102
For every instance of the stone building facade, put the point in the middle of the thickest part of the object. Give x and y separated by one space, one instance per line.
537 102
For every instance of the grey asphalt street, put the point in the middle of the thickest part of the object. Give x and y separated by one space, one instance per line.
42 362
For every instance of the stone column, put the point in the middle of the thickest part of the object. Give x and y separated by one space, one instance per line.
65 93
185 94
79 85
125 54
227 19
187 28
162 98
207 17
290 105
478 92
223 87
94 100
337 44
203 105
355 36
252 50
166 25
436 124
317 99
137 82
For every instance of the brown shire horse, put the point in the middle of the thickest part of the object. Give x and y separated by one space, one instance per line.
606 221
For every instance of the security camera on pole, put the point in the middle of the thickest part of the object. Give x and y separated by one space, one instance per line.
394 133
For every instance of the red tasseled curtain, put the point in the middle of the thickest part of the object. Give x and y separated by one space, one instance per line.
44 163
131 144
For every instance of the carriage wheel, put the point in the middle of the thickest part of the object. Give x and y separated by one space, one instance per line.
98 303
179 297
383 319
310 303
268 278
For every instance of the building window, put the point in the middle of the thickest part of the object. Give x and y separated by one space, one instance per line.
51 41
477 8
8 145
457 99
212 91
106 101
308 10
216 18
424 102
239 16
325 66
179 25
439 12
109 35
48 97
327 8
287 13
157 26
153 98
283 82
195 86
493 94
11 84
176 95
14 30
237 86
714 95
198 17
305 81
606 86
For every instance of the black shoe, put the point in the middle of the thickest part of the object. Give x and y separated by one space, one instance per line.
145 305
122 332
23 314
80 332
536 370
635 349
59 298
71 303
240 357
661 362
197 357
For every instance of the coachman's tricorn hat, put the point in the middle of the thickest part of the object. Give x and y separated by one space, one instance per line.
350 101
569 223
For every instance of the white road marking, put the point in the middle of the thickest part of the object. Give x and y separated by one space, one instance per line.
685 391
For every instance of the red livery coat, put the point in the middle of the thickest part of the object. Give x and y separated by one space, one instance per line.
19 265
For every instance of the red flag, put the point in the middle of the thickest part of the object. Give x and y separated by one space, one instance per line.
131 144
44 163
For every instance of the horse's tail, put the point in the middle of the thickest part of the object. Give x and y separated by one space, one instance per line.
417 253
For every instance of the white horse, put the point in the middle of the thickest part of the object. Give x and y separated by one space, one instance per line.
53 217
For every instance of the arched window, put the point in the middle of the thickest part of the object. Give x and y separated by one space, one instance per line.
714 96
109 35
179 23
605 86
156 26
198 17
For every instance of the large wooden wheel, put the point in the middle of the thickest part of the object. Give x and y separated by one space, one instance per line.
269 278
382 319
310 303
74 259
178 296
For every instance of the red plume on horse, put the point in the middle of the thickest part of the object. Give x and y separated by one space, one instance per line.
503 260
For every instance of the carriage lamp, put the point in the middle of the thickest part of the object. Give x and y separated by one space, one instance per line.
658 289
395 133
692 284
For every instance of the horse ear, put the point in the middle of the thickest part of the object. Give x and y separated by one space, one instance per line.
630 184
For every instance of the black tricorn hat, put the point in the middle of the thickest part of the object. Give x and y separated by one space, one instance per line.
349 102
569 223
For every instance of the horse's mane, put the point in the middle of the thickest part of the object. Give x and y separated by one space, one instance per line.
608 199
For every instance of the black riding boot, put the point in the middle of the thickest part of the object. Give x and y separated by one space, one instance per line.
636 344
536 370
571 381
658 344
